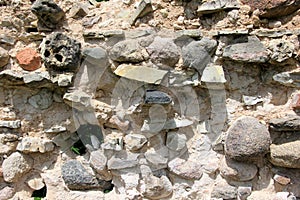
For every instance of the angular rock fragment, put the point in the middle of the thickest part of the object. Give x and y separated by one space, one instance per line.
163 52
122 160
34 144
247 139
76 177
48 12
157 188
213 6
251 51
222 190
157 97
15 166
4 57
213 74
143 9
79 10
29 59
197 54
8 143
288 123
60 53
141 73
176 141
282 50
98 162
286 155
42 100
185 168
10 124
96 56
134 142
289 79
7 193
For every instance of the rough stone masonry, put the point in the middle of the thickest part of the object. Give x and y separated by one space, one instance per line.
132 100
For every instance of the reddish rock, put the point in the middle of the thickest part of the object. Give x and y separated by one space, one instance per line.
273 8
296 102
29 59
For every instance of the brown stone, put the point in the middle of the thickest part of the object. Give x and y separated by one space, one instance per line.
273 8
296 102
29 59
282 179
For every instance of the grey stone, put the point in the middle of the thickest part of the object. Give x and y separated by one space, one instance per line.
251 101
76 177
8 143
176 141
64 80
233 32
185 168
288 123
6 39
56 129
10 124
157 97
157 188
289 79
60 53
34 144
78 100
42 100
197 54
96 56
286 154
141 73
217 5
271 33
158 158
128 51
247 139
79 10
103 34
223 190
163 52
15 166
134 142
36 76
237 171
243 192
48 12
122 160
113 141
4 57
90 20
98 162
251 51
213 74
7 193
143 9
192 33
282 50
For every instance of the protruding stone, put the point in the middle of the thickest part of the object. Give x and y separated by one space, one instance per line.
213 6
287 123
163 52
251 101
36 183
141 73
6 193
213 74
10 124
96 56
4 57
176 141
41 100
282 50
60 52
79 10
157 188
157 97
76 177
98 161
243 192
286 155
48 12
282 180
157 158
251 51
247 139
222 190
113 141
8 143
34 144
143 9
15 166
296 102
289 79
197 54
128 51
185 168
29 59
134 142
122 160
237 171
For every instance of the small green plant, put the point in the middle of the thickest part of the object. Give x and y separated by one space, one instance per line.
75 150
106 191
37 198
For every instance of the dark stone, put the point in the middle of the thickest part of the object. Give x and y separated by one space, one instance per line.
76 177
157 97
251 51
197 54
60 52
274 8
91 136
288 123
48 12
247 139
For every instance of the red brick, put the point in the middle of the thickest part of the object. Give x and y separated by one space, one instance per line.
29 59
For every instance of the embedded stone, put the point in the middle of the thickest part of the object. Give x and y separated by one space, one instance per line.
163 52
176 141
7 193
96 56
247 139
10 124
15 166
289 79
286 154
76 177
60 53
34 144
143 9
134 142
48 12
42 100
122 160
282 50
213 6
157 188
4 57
287 123
8 143
141 73
213 74
185 168
29 59
157 97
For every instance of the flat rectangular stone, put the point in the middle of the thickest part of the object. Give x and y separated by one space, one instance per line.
213 74
10 124
141 73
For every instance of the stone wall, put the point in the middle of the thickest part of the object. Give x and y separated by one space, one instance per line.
149 100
